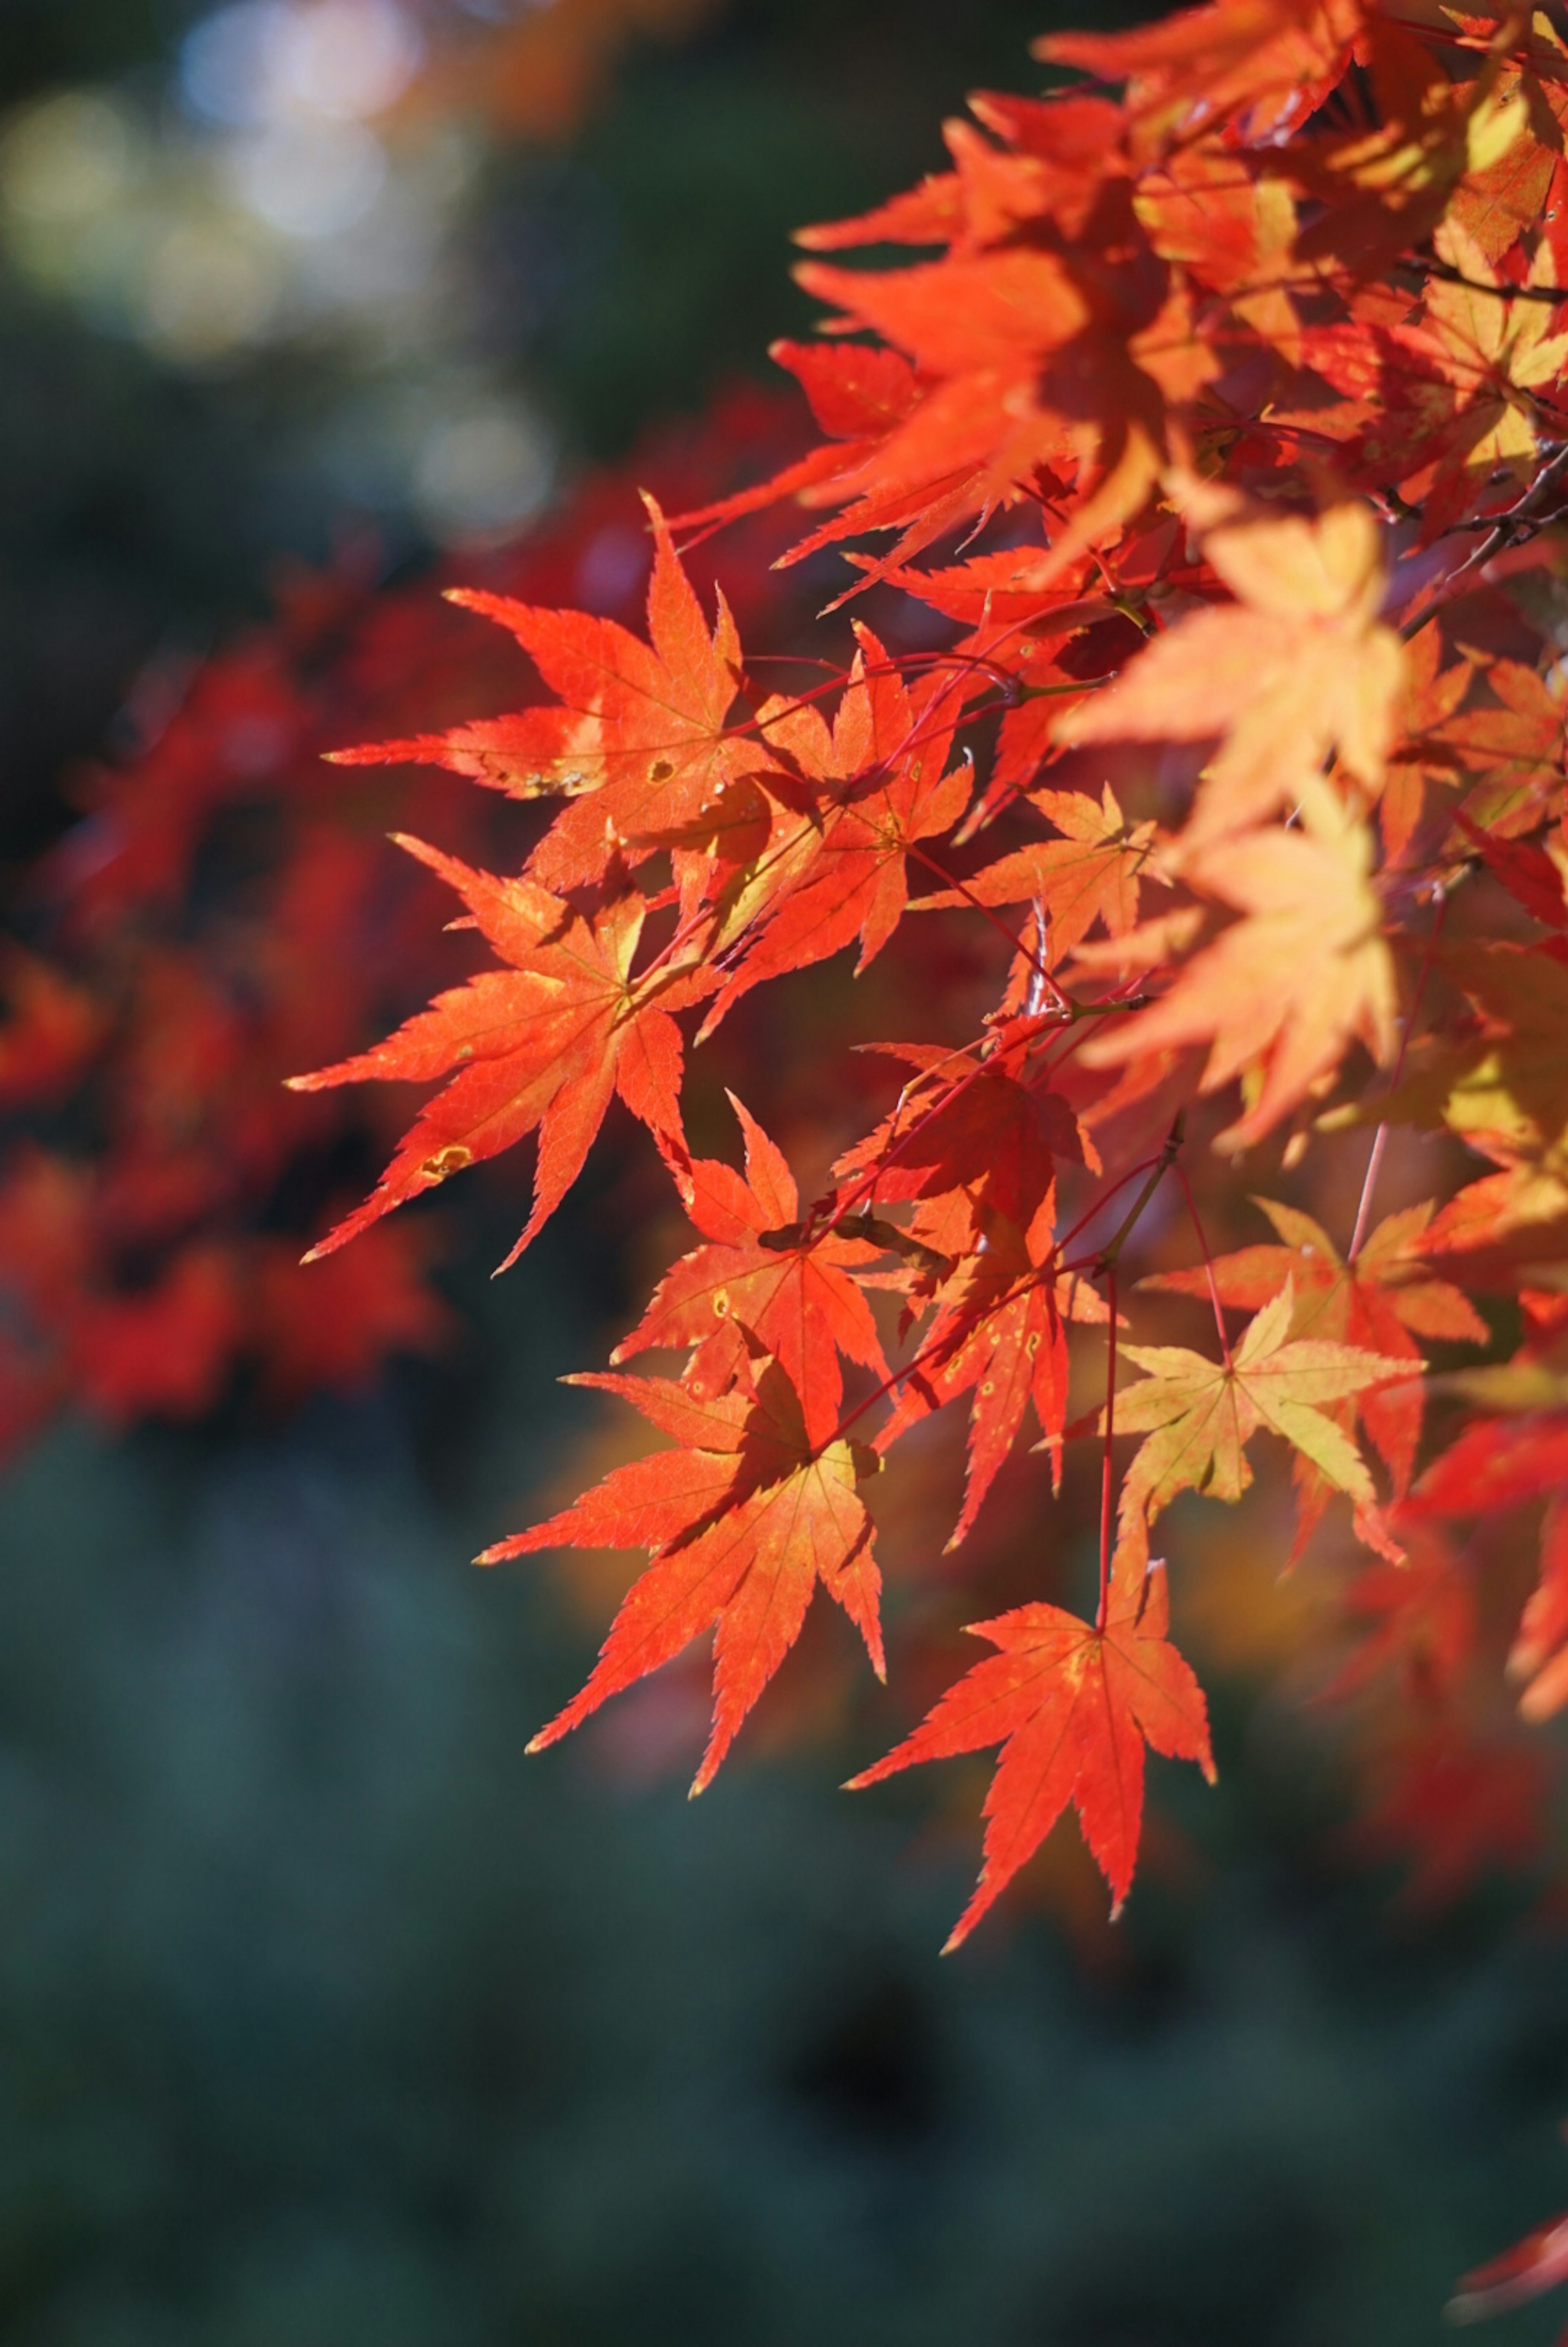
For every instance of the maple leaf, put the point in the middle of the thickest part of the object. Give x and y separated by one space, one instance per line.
1378 1303
1072 1708
1270 62
1287 987
791 1287
873 788
978 1135
546 1043
1199 1415
638 727
1092 873
741 1521
1533 876
1029 351
1465 392
1422 753
1514 750
1301 665
1000 1332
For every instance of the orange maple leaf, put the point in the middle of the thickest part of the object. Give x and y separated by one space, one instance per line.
1072 1708
1270 61
639 727
999 1332
546 1043
1289 987
1093 873
789 1286
1300 666
851 805
742 1521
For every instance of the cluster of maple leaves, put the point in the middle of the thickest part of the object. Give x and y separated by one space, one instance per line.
1231 404
1202 778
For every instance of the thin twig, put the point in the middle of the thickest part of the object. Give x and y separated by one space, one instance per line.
1207 1265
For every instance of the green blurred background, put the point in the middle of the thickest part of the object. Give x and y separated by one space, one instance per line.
325 2018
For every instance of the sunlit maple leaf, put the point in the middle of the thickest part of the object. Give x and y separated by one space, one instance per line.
1378 1303
1465 394
1300 666
1072 1708
546 1043
789 1286
1270 62
1006 333
639 727
741 1521
1199 1415
1510 752
1290 985
1422 753
865 793
1093 873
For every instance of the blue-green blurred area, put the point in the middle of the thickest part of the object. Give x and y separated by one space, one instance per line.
325 2015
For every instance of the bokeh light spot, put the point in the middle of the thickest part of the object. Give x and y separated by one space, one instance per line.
68 160
481 475
347 59
207 293
310 182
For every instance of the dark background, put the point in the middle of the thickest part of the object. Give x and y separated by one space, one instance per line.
324 2015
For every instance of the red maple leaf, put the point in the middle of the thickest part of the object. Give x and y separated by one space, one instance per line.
789 1284
1072 1706
640 728
546 1043
1000 1332
864 795
742 1521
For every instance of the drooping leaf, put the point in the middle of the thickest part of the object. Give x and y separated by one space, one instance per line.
742 1521
1199 1415
1072 1708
